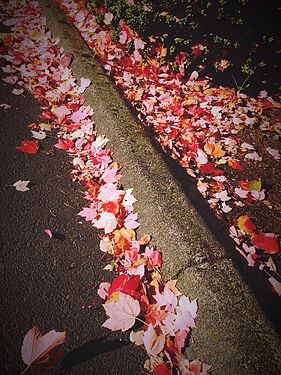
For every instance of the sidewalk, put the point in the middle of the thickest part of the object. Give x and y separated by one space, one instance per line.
50 282
232 331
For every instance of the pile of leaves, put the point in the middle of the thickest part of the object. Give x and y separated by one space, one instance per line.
36 62
223 138
237 43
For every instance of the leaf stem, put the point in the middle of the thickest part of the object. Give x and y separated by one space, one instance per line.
140 320
25 370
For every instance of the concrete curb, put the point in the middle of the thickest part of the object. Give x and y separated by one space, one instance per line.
233 334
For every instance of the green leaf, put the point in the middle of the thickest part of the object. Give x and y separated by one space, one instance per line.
255 185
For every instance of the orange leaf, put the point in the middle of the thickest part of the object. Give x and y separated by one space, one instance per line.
214 149
245 224
267 242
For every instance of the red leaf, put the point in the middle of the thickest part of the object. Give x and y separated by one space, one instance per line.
266 242
126 284
210 168
161 369
30 147
235 164
64 144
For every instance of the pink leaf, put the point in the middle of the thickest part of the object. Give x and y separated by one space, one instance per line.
276 285
153 343
88 213
48 232
107 221
36 349
103 290
122 313
85 82
131 221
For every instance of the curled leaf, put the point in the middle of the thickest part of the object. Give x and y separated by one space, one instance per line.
38 351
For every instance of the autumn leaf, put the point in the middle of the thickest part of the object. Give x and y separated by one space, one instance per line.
235 164
21 185
85 82
17 91
276 285
107 221
214 149
38 351
38 135
46 127
153 343
48 233
254 185
127 284
161 369
245 224
88 213
29 147
122 312
267 242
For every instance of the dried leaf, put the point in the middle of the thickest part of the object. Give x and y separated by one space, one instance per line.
37 349
122 312
153 343
21 185
17 91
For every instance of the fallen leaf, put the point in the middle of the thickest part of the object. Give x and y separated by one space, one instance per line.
88 213
38 135
107 221
46 127
153 343
29 147
21 185
85 82
127 284
254 185
5 106
38 350
103 290
214 149
245 224
267 242
17 91
137 337
48 232
276 285
122 312
274 153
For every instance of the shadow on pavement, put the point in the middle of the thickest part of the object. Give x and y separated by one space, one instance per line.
91 349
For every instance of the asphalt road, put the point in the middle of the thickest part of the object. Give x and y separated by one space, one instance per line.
50 282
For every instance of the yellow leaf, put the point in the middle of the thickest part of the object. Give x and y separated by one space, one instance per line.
46 127
163 52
